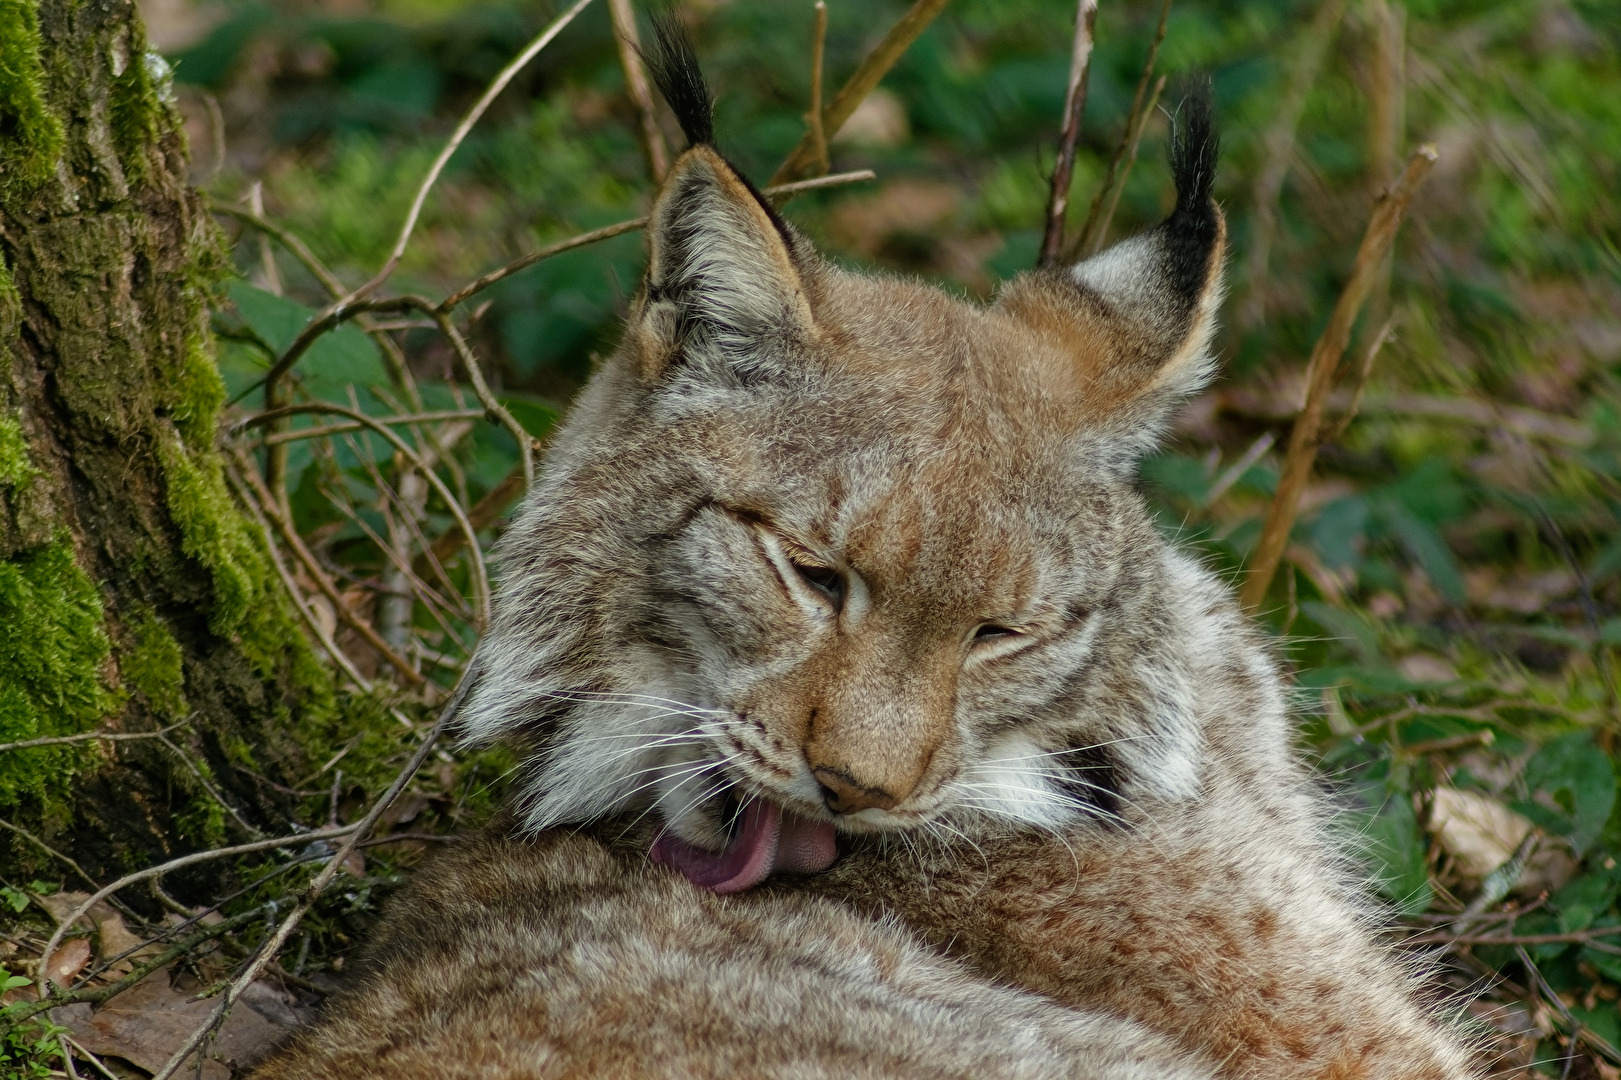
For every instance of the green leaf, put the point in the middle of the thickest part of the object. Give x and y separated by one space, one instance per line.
1397 847
1351 630
16 898
1583 900
338 358
1580 780
1425 547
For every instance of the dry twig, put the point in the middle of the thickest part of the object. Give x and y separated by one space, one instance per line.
824 164
1324 363
1080 62
867 76
636 85
1092 234
267 951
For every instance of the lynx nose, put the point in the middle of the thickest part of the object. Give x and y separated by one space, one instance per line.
844 795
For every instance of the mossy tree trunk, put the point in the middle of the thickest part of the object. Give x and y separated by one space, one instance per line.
133 594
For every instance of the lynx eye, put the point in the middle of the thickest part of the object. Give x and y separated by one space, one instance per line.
994 632
824 579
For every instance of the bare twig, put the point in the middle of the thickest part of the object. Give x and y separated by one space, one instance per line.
1236 471
278 517
630 59
89 736
267 951
498 84
1529 423
481 580
267 257
779 192
415 418
1107 198
1325 358
497 411
214 793
1279 150
103 892
877 64
49 850
1093 238
339 657
818 134
482 515
1080 62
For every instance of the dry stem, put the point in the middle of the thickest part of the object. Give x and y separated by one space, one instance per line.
1114 181
1080 62
284 525
1321 370
818 134
867 76
630 59
267 951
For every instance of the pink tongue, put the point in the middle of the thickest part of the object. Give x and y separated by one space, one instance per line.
766 840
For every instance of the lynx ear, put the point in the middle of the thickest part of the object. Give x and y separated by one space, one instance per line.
1138 317
724 292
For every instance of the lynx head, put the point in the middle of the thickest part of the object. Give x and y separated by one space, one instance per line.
821 550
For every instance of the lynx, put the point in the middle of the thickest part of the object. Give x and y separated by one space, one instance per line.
837 588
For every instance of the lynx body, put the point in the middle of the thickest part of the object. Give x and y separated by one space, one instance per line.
823 554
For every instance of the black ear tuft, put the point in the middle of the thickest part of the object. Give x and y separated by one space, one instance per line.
674 67
1191 229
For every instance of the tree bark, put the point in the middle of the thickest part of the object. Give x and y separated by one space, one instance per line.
133 593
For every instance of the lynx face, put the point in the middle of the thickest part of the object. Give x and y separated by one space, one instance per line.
820 551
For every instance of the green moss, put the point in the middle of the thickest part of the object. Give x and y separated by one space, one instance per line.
152 665
213 533
30 134
16 470
198 393
53 647
135 112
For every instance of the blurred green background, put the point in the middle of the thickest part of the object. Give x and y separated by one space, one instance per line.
1451 599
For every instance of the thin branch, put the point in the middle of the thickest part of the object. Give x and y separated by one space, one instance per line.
278 517
89 736
1325 358
49 850
304 604
872 70
414 418
103 892
1093 237
1279 150
1114 181
17 1013
214 792
818 133
498 84
630 59
481 516
1080 63
481 580
267 951
492 405
780 192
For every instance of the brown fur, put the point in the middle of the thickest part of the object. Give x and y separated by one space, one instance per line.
514 960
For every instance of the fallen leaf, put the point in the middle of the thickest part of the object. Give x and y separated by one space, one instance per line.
150 1021
1482 834
68 960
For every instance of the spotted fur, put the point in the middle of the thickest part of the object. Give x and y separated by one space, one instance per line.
510 959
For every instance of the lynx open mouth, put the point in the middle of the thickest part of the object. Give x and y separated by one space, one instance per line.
766 840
